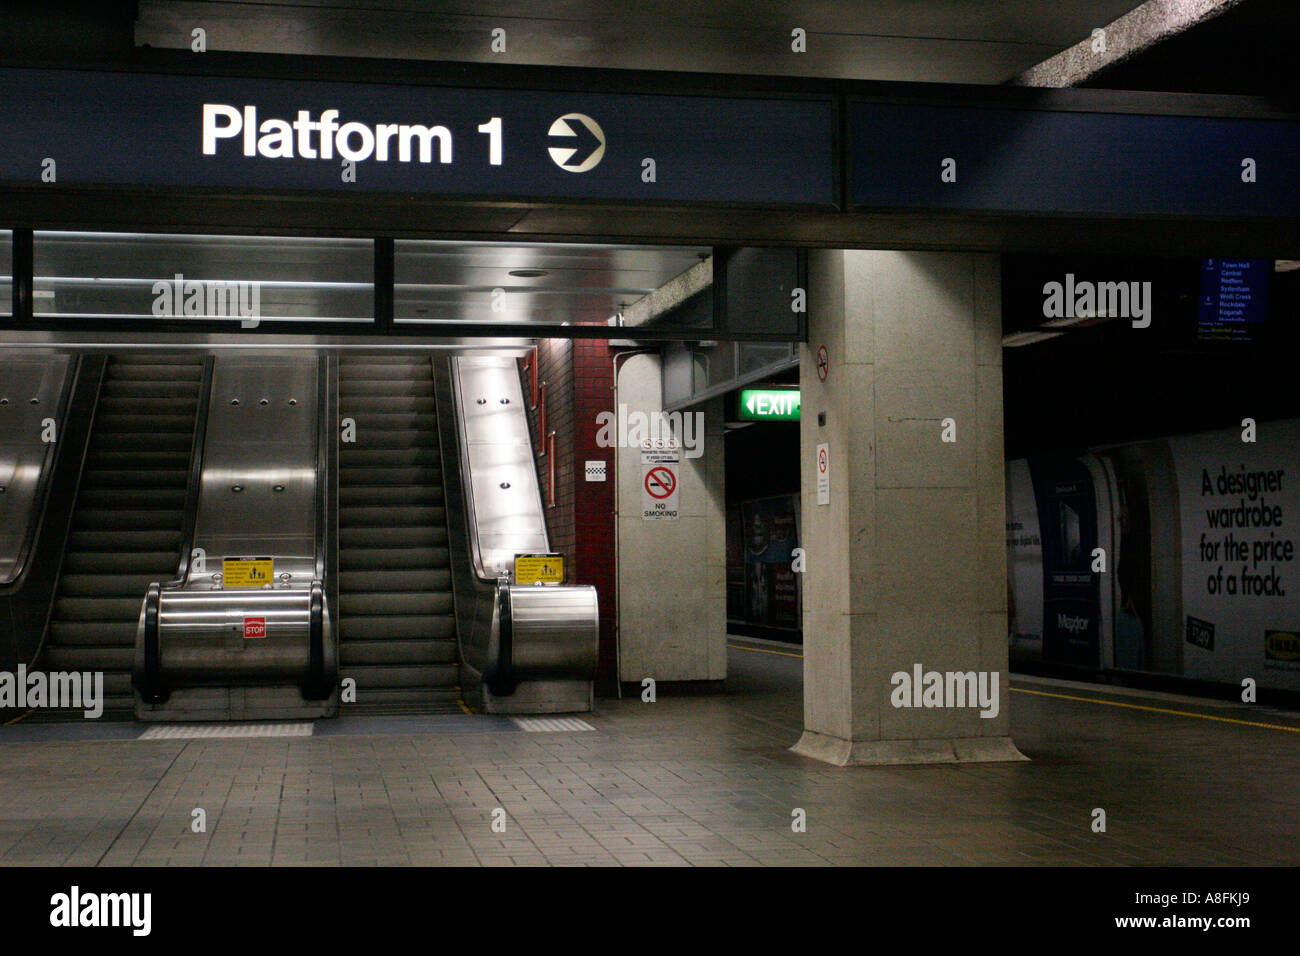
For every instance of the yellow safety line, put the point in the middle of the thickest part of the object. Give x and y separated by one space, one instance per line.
18 718
463 707
761 650
1159 710
1089 700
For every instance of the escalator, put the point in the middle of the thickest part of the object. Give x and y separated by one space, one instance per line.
396 619
127 526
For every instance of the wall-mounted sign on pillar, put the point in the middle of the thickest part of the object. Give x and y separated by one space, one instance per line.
824 473
660 483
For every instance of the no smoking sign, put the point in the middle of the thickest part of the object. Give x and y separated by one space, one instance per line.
660 485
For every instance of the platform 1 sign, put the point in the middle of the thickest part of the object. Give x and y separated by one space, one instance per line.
247 572
769 404
198 132
539 568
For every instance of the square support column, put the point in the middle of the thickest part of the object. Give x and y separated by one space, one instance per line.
906 563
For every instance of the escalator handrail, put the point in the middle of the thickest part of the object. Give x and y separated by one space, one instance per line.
194 482
52 456
151 690
82 366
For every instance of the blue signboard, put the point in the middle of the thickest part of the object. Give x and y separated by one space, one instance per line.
1233 298
970 159
84 128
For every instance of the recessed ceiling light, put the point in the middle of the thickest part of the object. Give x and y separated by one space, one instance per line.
528 273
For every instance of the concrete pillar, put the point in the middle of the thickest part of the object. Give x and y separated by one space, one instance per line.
906 564
672 574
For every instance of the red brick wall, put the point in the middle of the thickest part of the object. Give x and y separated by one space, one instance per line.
593 517
580 381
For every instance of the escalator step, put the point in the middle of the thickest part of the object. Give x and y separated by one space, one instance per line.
98 609
121 562
372 476
104 519
144 499
381 603
129 541
355 457
397 653
392 559
351 373
366 537
391 404
108 585
354 496
378 582
89 658
430 627
95 633
403 516
370 677
418 388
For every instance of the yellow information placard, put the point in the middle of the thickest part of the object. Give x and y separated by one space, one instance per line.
532 568
247 572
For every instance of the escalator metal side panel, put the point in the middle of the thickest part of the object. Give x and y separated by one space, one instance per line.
32 389
474 598
261 494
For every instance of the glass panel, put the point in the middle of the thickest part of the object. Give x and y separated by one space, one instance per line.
721 363
495 283
755 356
97 275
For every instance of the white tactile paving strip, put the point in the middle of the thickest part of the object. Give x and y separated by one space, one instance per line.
551 725
211 731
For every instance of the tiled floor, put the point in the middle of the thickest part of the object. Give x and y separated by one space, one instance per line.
703 780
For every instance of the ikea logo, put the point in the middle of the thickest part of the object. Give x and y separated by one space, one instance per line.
1281 645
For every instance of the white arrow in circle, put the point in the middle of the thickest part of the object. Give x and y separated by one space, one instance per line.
586 132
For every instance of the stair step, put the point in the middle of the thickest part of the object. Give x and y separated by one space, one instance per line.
387 603
410 537
89 658
353 496
382 559
125 541
122 562
376 677
139 519
96 633
397 653
372 387
429 627
109 585
397 516
98 608
412 580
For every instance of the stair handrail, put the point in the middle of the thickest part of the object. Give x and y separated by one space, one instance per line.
194 481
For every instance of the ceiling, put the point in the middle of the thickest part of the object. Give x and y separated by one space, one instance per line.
951 41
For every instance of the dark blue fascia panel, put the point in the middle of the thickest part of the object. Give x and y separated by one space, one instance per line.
134 129
1068 163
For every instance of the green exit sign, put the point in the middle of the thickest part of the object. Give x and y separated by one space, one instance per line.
769 404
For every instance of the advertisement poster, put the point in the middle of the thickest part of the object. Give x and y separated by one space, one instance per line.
771 533
1239 503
